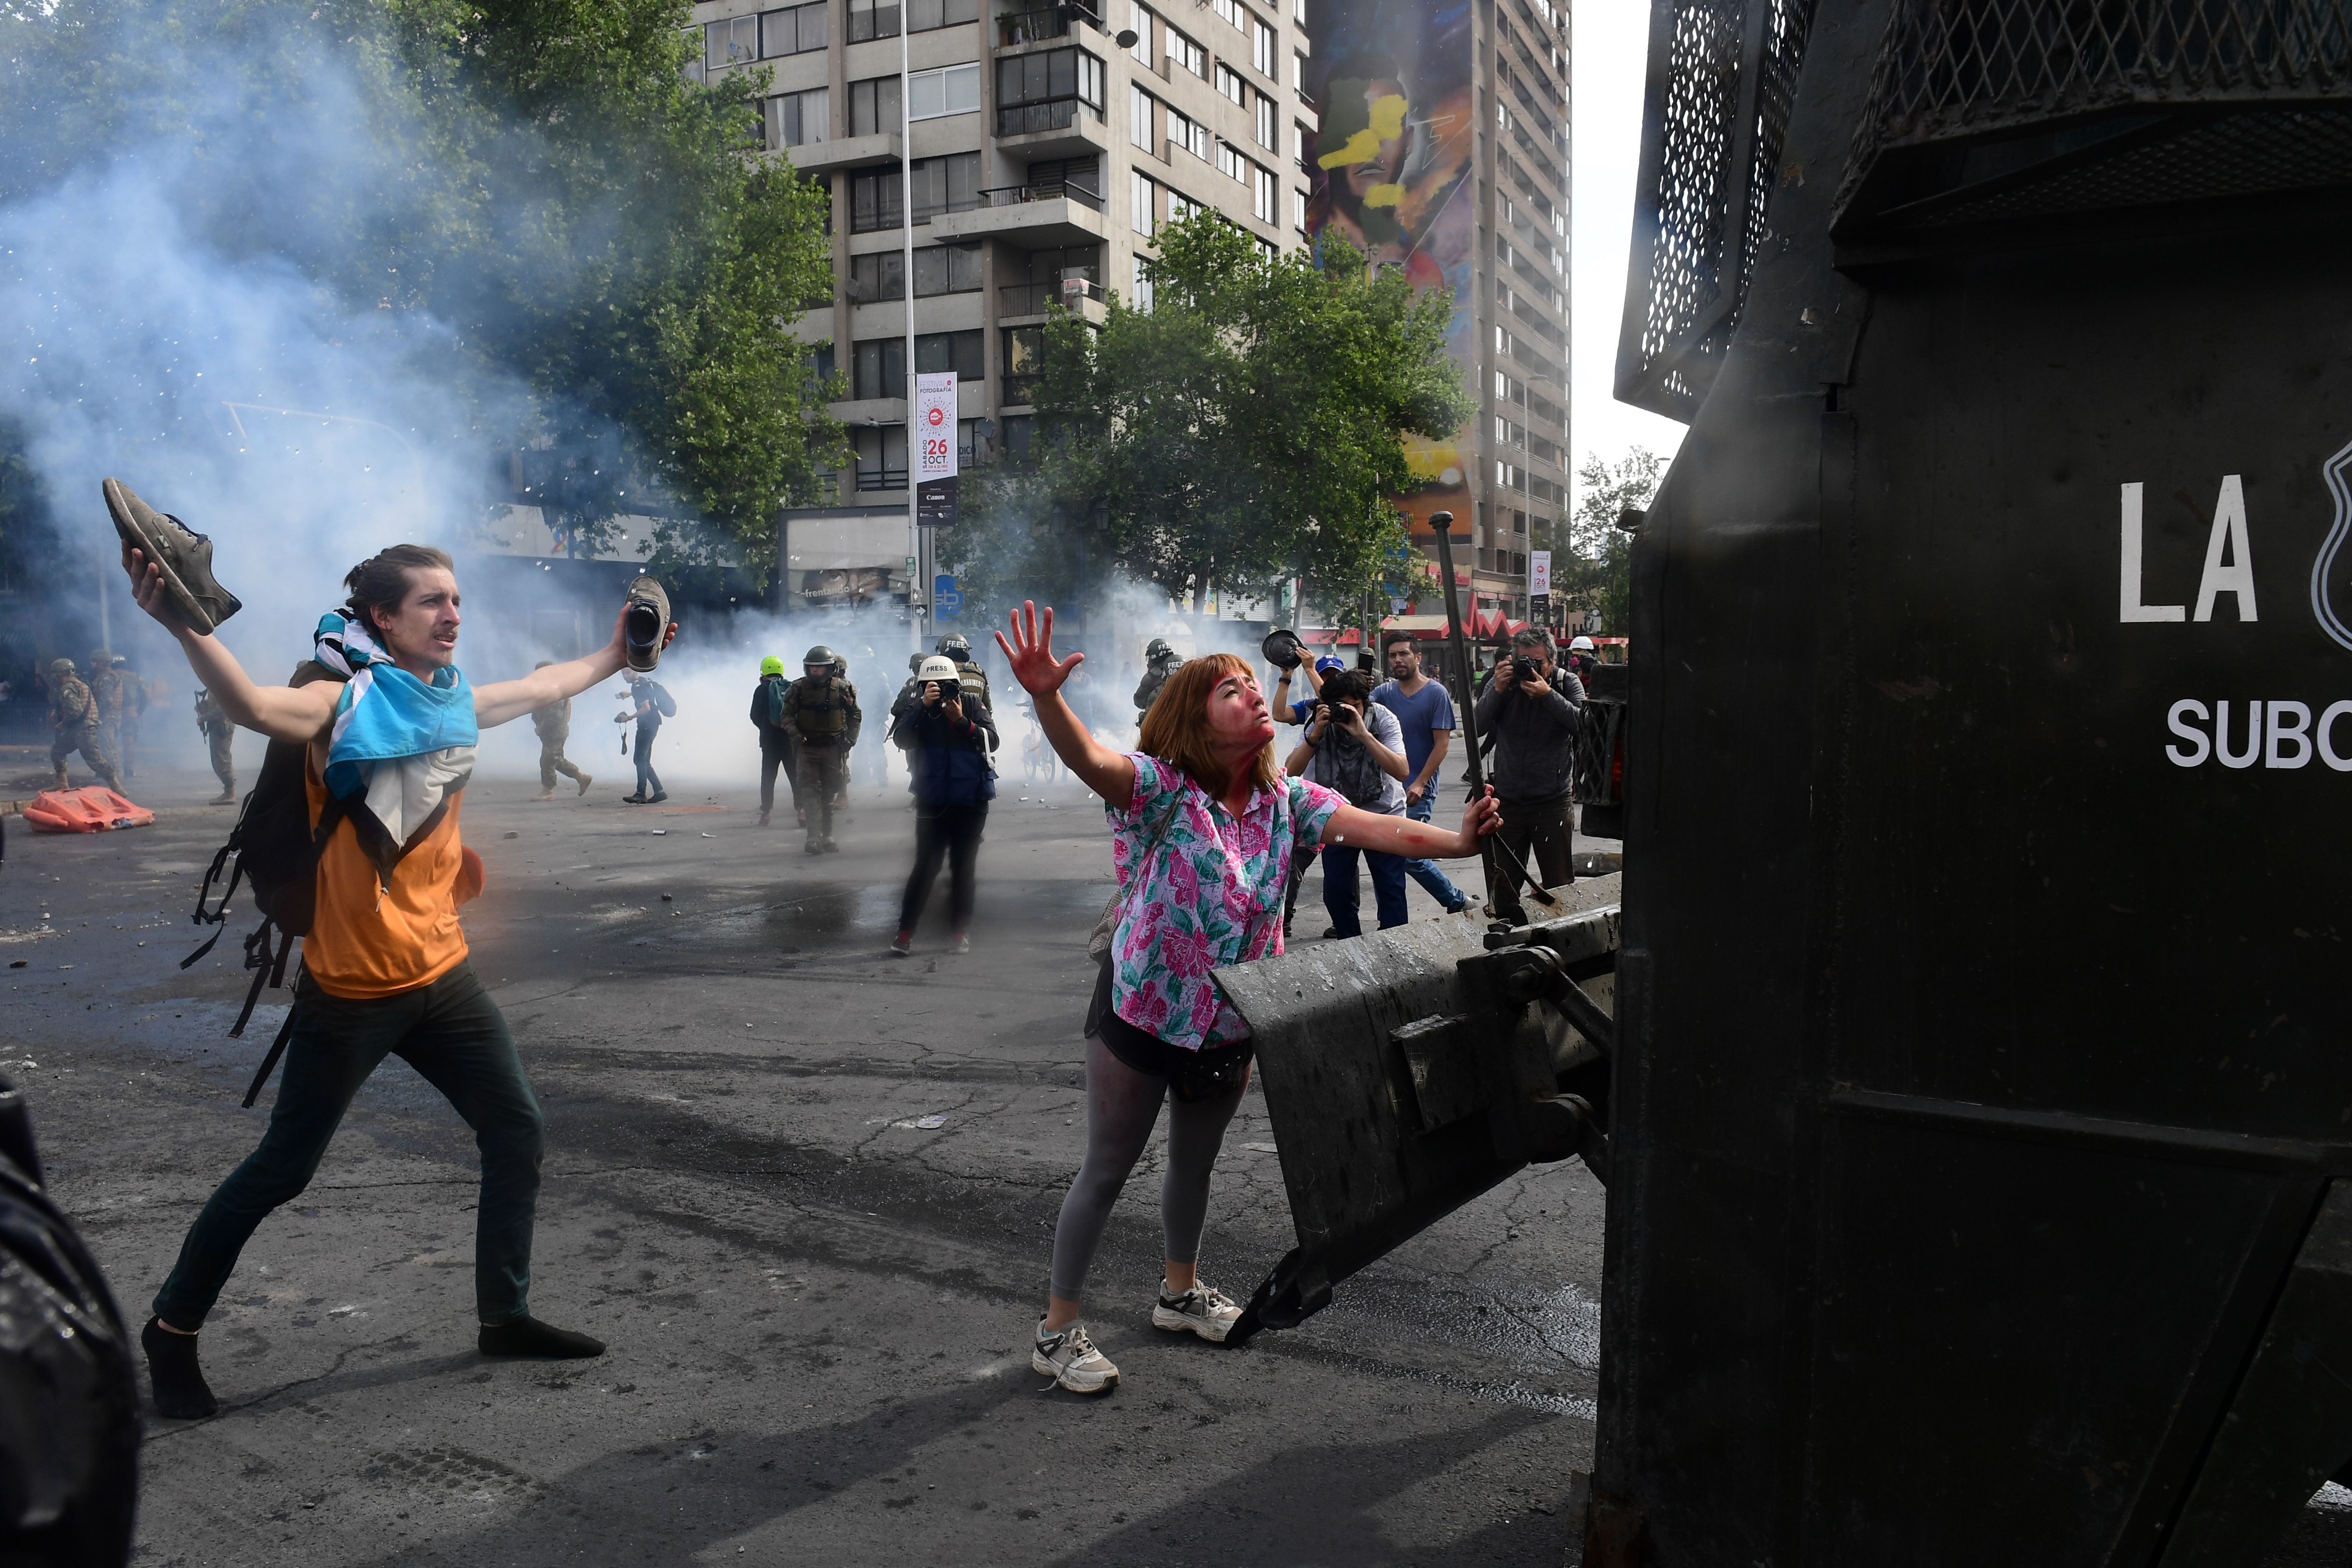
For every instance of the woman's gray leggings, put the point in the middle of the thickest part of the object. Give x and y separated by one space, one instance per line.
1122 1104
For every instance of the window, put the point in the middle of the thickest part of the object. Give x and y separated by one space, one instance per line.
1141 291
1180 206
1189 134
1261 53
1229 84
1017 430
1269 125
1024 360
793 31
962 352
948 185
693 67
1184 52
798 118
1229 13
874 106
1142 206
1138 119
873 19
734 42
881 456
881 274
1299 72
945 270
1298 140
879 368
1140 20
1298 210
1042 92
1081 177
952 90
1298 12
874 201
1265 195
923 15
1231 163
1268 252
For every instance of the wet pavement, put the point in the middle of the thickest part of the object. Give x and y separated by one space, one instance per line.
818 1297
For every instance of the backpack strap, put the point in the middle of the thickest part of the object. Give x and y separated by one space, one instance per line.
276 1049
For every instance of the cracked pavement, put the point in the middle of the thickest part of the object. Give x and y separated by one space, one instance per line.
818 1309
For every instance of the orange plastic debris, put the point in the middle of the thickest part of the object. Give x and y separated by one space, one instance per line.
93 808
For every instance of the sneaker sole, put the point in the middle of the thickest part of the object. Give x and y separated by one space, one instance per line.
1043 1368
137 534
1178 1323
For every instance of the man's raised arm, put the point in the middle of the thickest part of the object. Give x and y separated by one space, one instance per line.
281 712
503 699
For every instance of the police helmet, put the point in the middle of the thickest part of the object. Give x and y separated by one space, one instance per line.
819 656
915 662
941 668
61 667
1157 646
100 659
771 664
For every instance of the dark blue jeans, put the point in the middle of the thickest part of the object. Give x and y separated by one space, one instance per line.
648 781
454 1035
1436 883
1341 893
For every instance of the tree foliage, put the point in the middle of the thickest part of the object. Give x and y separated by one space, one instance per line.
1245 428
538 179
1597 572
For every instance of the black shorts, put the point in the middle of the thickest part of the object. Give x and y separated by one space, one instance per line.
1146 1052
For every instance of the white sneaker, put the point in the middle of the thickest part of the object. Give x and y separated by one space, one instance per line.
1070 1358
1204 1310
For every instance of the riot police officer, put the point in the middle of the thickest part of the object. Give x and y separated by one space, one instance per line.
958 647
74 715
821 711
1160 662
213 720
134 706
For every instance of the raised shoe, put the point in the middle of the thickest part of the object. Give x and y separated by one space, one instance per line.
183 555
643 625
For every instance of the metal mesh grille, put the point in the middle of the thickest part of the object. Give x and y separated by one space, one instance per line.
1713 157
1954 69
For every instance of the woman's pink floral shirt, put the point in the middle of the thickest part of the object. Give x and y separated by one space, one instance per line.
1211 896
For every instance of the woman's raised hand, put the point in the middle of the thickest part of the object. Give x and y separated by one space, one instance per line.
1030 652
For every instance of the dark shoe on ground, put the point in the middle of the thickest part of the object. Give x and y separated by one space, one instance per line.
904 943
644 623
543 1341
585 782
657 799
812 847
633 800
1330 933
226 797
184 556
181 1392
831 848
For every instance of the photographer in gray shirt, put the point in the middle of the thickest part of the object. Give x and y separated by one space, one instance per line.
1533 709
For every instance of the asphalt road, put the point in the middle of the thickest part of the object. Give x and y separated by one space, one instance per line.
818 1312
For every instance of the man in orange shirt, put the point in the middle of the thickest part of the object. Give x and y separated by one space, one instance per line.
384 964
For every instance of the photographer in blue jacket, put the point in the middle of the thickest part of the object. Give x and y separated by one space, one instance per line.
948 738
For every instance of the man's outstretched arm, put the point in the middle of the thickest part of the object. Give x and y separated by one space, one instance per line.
281 712
503 699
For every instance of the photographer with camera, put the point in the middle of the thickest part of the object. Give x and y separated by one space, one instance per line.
1533 710
1356 747
948 735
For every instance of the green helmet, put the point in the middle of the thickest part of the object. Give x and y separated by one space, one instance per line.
100 659
771 664
819 655
61 667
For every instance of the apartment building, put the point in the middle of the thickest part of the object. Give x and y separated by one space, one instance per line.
1442 150
1046 148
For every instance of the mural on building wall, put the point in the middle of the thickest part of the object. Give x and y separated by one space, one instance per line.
1391 169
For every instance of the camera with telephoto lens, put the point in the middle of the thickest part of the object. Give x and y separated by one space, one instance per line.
1524 668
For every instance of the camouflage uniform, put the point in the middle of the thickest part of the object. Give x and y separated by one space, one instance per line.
134 707
213 721
554 723
106 685
821 711
73 714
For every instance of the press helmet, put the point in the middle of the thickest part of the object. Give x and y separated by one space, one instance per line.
939 667
771 664
819 656
1581 645
1157 646
955 645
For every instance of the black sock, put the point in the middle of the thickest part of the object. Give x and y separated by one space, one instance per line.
529 1337
181 1392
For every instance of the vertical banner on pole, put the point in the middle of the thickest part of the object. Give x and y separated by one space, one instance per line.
934 451
1539 584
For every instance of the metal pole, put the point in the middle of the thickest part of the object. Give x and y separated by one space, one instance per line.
1442 522
918 585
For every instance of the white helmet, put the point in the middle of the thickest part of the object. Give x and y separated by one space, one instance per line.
1581 645
939 668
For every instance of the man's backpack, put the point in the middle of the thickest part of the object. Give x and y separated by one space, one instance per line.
664 703
274 849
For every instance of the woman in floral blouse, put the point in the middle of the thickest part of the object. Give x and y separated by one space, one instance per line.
1204 828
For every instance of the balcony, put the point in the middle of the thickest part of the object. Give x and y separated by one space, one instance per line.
1054 128
1032 216
849 152
1081 296
1020 27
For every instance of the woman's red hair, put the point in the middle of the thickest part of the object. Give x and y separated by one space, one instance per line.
1176 730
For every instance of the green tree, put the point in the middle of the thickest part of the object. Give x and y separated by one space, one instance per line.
1245 428
537 179
1597 571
